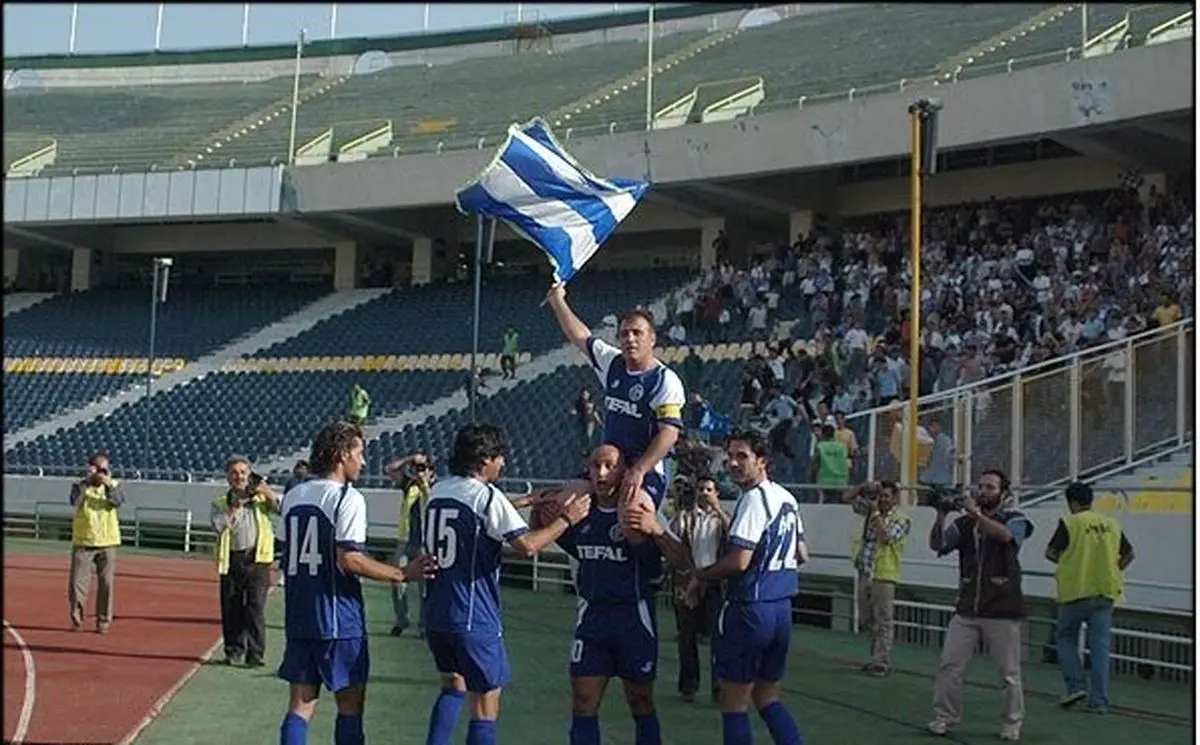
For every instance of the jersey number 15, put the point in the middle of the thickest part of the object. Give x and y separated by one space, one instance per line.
441 538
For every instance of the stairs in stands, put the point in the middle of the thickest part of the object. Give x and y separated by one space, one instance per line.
635 79
19 301
255 341
565 356
973 54
211 148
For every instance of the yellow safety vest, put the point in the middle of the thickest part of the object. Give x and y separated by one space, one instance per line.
1089 566
411 496
887 555
264 548
95 524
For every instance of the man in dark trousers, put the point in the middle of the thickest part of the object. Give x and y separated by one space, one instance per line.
241 518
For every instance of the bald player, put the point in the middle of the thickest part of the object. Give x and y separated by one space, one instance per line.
643 398
616 634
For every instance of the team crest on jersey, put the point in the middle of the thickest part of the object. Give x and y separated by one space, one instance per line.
615 535
636 392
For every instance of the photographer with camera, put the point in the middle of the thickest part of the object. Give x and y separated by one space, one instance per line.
988 537
95 535
703 527
413 475
241 518
876 553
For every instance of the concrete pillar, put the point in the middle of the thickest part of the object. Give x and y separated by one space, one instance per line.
710 227
81 269
422 261
12 265
345 266
800 221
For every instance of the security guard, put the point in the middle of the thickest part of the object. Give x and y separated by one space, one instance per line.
241 517
95 535
1092 554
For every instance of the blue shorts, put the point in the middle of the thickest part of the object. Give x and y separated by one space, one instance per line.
480 659
337 664
615 641
752 641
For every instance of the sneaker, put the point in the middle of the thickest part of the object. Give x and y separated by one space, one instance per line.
254 662
76 626
1097 709
1071 699
232 659
938 727
876 670
396 631
103 627
1010 732
688 698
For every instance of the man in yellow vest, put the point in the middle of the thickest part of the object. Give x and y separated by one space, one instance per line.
95 535
1092 554
413 474
876 553
360 405
241 518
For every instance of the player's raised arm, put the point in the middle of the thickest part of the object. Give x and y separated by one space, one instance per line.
667 405
351 537
574 329
504 523
643 518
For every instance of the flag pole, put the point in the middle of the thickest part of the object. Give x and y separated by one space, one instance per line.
291 159
473 381
650 68
914 302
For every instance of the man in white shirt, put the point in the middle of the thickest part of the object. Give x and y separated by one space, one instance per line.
703 527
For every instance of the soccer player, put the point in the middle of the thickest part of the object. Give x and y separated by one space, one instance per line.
324 532
643 398
467 522
766 547
616 632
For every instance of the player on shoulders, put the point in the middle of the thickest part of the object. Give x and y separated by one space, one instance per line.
766 547
616 632
467 522
324 535
643 398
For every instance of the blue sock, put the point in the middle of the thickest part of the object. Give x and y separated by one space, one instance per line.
784 730
348 730
735 726
294 730
646 730
481 732
585 730
444 716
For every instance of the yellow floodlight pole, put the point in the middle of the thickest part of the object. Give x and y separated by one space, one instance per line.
916 112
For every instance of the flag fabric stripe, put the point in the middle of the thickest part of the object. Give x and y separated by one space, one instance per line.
543 194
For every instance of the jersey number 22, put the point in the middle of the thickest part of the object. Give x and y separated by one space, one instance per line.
785 554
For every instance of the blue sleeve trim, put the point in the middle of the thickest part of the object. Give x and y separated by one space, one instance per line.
515 533
743 543
1019 527
352 546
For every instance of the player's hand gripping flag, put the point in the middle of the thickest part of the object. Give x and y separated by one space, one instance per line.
542 193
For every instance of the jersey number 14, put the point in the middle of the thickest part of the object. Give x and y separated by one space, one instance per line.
306 550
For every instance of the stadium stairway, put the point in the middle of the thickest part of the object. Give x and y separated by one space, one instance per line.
285 328
989 46
1163 486
634 80
19 301
564 356
211 148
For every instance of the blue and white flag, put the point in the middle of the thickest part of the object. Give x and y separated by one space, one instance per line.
542 193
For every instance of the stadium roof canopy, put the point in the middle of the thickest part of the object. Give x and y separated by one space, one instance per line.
360 45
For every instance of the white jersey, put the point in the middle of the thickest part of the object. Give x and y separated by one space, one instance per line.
767 522
321 601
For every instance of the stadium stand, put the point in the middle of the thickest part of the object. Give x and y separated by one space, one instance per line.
136 127
111 322
443 313
31 397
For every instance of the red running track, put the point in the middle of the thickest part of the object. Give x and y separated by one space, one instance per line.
95 688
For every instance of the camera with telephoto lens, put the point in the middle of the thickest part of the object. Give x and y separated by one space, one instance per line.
945 498
253 481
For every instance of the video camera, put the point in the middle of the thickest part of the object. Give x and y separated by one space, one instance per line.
945 498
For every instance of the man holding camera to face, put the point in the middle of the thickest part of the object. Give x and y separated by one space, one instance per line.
876 554
413 474
988 537
95 535
241 518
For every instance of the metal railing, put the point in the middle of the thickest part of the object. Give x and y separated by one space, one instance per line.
1167 655
1103 409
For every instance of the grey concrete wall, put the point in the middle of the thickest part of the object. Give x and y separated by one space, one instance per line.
1164 543
1132 84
